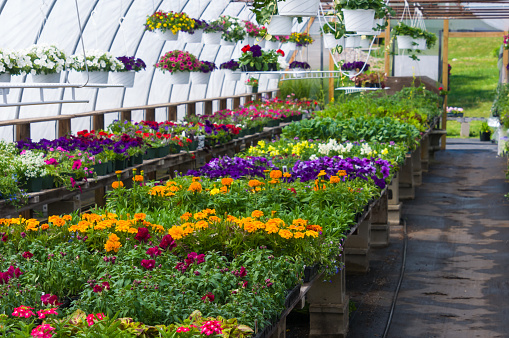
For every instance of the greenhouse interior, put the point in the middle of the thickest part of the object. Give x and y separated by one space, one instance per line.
254 168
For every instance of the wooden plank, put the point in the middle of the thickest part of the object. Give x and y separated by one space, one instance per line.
126 115
100 197
22 131
172 113
387 48
208 108
191 109
223 104
236 102
476 34
445 78
64 127
98 122
150 114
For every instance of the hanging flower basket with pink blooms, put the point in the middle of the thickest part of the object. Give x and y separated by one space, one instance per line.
180 64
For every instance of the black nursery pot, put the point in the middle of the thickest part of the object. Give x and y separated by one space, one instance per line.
485 136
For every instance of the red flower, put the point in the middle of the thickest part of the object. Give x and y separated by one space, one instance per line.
50 300
105 285
440 88
167 242
280 52
98 288
209 297
292 190
154 252
27 254
142 235
246 49
148 263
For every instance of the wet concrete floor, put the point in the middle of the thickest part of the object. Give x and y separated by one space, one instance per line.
456 281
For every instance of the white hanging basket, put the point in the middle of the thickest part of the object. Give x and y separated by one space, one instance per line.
200 78
95 77
272 45
166 35
5 77
359 20
261 43
298 7
330 41
196 37
421 44
405 42
230 75
227 43
280 25
374 30
46 78
299 72
270 76
291 45
180 78
212 38
124 78
249 40
353 41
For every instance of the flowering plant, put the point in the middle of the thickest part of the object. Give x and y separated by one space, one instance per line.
297 64
198 24
233 29
216 26
355 65
172 21
301 39
207 67
97 61
130 63
13 62
231 65
506 42
45 59
252 82
454 110
254 58
253 30
178 61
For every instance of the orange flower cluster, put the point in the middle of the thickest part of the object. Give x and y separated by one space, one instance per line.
117 184
113 243
203 219
167 190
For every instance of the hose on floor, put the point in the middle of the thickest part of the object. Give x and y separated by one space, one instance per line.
401 274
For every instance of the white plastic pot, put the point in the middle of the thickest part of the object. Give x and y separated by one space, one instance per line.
95 77
298 7
46 78
365 42
299 72
200 78
374 30
405 42
227 43
230 75
124 78
212 38
166 35
280 25
353 41
272 45
359 20
196 37
249 40
421 44
180 78
330 41
5 77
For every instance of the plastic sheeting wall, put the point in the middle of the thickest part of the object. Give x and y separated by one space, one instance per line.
116 26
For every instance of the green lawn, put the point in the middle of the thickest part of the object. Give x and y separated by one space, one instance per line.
474 74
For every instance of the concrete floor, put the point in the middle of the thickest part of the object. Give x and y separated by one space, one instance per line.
456 281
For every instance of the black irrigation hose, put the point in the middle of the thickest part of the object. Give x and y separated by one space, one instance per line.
401 274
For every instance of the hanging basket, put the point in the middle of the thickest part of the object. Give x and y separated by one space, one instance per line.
272 45
196 37
230 75
200 78
419 44
298 7
180 78
46 78
353 41
166 35
95 77
359 20
227 43
124 78
280 25
299 72
212 38
405 42
374 30
249 40
330 41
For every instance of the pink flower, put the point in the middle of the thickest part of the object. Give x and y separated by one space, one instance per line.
51 161
105 285
183 329
76 165
27 255
154 252
142 235
148 264
23 311
209 297
98 288
43 331
49 299
211 327
42 313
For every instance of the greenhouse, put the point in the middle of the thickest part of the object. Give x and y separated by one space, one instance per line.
254 168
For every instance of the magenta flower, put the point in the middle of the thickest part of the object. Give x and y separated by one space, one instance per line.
23 311
44 312
49 299
148 264
209 297
167 242
27 254
142 235
154 252
76 165
43 331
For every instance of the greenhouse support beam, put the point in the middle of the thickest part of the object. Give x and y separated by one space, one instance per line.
387 44
445 78
505 62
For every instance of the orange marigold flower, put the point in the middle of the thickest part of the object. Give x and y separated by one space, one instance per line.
117 184
298 235
200 215
271 228
44 227
186 216
275 174
118 172
257 214
255 183
66 218
138 178
227 181
214 219
311 233
195 187
170 183
140 216
224 189
201 225
196 178
335 179
176 232
322 173
56 221
287 234
314 227
274 181
287 175
342 173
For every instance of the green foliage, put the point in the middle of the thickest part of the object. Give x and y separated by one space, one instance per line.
313 89
414 32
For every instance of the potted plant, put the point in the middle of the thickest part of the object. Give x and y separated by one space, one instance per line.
47 62
95 65
254 33
252 85
413 37
12 63
372 80
213 31
167 25
299 40
232 70
333 35
125 76
359 15
299 68
202 74
485 132
454 112
194 34
179 64
275 41
233 30
253 58
298 7
355 67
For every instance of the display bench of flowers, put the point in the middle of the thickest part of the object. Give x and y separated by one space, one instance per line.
232 248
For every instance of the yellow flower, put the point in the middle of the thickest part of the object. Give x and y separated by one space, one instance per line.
186 216
287 175
335 179
140 216
215 191
138 178
298 235
311 233
385 151
257 214
285 234
195 187
322 173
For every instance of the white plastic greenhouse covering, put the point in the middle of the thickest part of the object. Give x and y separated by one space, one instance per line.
116 26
